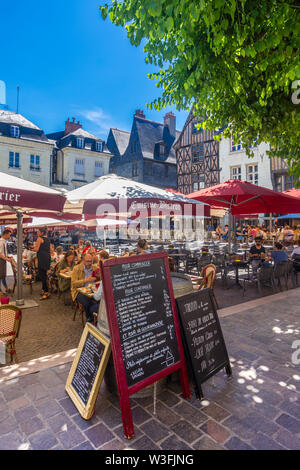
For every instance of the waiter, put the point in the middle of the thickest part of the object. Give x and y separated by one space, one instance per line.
4 258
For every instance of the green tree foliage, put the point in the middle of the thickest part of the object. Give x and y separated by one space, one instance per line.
235 61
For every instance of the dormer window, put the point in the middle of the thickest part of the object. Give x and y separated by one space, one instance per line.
80 143
162 150
14 131
99 146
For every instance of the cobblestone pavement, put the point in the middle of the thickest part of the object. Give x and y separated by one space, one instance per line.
49 328
259 408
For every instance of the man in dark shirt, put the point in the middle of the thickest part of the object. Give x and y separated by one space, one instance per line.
256 255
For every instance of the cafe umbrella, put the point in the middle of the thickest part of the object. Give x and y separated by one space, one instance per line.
123 195
20 196
242 197
117 197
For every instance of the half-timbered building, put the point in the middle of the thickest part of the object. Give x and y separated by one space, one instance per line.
197 156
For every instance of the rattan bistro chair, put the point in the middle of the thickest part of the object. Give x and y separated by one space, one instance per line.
208 275
10 321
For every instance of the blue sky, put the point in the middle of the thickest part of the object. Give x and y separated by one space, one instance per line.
69 62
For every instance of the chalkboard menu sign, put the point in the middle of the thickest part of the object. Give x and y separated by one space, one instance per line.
145 318
143 324
88 369
202 336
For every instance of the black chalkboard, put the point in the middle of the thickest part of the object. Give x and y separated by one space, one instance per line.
87 368
202 337
145 318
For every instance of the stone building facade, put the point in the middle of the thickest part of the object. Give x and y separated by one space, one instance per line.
146 154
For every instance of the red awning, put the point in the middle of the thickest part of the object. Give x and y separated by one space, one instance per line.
242 197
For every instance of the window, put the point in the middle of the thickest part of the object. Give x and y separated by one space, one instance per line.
235 147
288 182
14 160
80 143
162 150
198 153
99 146
135 169
252 174
35 163
283 182
79 167
235 172
198 182
14 131
98 169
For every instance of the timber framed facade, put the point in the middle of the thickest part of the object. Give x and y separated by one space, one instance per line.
281 179
197 157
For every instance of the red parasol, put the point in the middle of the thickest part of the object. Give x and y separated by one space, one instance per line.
242 197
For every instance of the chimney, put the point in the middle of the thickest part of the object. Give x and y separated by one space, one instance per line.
72 126
170 121
140 113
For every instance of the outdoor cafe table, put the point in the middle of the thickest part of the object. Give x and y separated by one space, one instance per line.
238 265
88 292
66 275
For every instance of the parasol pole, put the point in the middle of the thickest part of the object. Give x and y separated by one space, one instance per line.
20 300
230 226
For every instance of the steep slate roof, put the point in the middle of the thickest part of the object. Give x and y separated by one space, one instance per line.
82 133
28 130
150 133
16 119
121 139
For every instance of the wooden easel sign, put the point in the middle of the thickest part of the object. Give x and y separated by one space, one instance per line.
203 339
87 370
143 324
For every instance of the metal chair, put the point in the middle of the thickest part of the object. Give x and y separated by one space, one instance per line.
10 322
279 272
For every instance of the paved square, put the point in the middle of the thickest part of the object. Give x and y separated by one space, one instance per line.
259 408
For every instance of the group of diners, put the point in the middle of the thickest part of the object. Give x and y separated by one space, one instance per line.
69 271
286 235
259 256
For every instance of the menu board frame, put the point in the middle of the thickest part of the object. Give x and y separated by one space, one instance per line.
87 410
187 347
123 389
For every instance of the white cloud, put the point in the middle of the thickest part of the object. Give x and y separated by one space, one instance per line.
97 121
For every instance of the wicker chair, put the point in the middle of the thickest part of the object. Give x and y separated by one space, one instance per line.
209 273
79 308
10 321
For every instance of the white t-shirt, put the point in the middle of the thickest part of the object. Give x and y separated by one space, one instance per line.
296 251
3 247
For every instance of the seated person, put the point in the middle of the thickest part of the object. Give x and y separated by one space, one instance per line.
278 254
103 255
225 233
296 251
82 277
142 247
239 233
59 254
67 264
87 246
257 254
80 246
29 255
